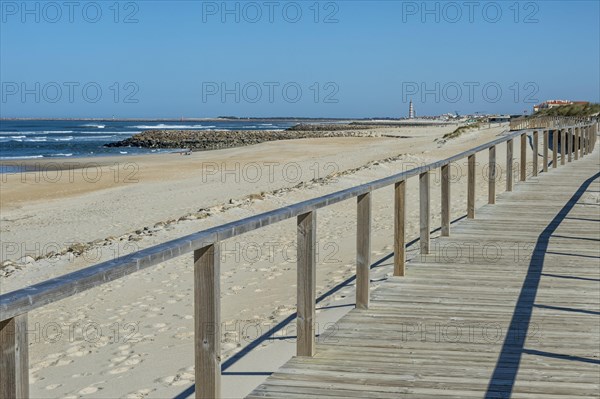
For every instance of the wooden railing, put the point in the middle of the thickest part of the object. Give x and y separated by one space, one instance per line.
14 306
547 122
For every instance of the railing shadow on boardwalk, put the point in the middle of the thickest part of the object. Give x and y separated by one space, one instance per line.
505 372
279 326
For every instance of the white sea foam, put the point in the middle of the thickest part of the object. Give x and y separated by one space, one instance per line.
24 157
94 125
105 132
61 155
166 127
89 138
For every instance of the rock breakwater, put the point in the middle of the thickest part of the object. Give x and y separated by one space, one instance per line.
213 139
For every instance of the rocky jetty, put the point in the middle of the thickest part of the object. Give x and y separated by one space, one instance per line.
214 139
328 127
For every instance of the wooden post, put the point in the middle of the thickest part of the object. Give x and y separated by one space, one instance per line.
424 208
363 250
399 233
581 141
569 144
545 165
307 288
446 200
577 143
588 147
563 146
14 358
523 157
555 148
492 176
509 165
535 152
207 317
586 141
471 187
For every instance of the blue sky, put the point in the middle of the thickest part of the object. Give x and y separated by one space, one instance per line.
313 59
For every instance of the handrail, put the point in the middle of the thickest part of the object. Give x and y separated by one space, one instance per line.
52 290
15 305
546 121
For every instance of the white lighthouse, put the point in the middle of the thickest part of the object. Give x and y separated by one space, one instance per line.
411 111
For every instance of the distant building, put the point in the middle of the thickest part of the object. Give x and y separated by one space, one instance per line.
555 103
411 111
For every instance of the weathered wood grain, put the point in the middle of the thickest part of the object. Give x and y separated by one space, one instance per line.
445 201
492 175
399 228
509 165
471 187
424 212
363 250
207 321
307 283
523 162
14 358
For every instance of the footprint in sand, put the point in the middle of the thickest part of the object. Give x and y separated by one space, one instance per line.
181 378
89 390
142 393
118 370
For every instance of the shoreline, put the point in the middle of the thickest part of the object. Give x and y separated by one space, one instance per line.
144 180
162 141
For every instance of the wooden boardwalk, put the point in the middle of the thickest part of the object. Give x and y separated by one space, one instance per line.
508 306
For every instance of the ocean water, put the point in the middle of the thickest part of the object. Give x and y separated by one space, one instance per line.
72 138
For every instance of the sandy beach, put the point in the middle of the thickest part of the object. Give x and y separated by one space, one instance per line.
134 336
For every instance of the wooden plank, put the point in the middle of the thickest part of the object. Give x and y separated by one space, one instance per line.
363 250
509 165
14 358
207 321
445 200
307 288
471 187
424 212
492 175
545 165
523 157
399 228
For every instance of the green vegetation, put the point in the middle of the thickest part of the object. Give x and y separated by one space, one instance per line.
571 110
460 130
